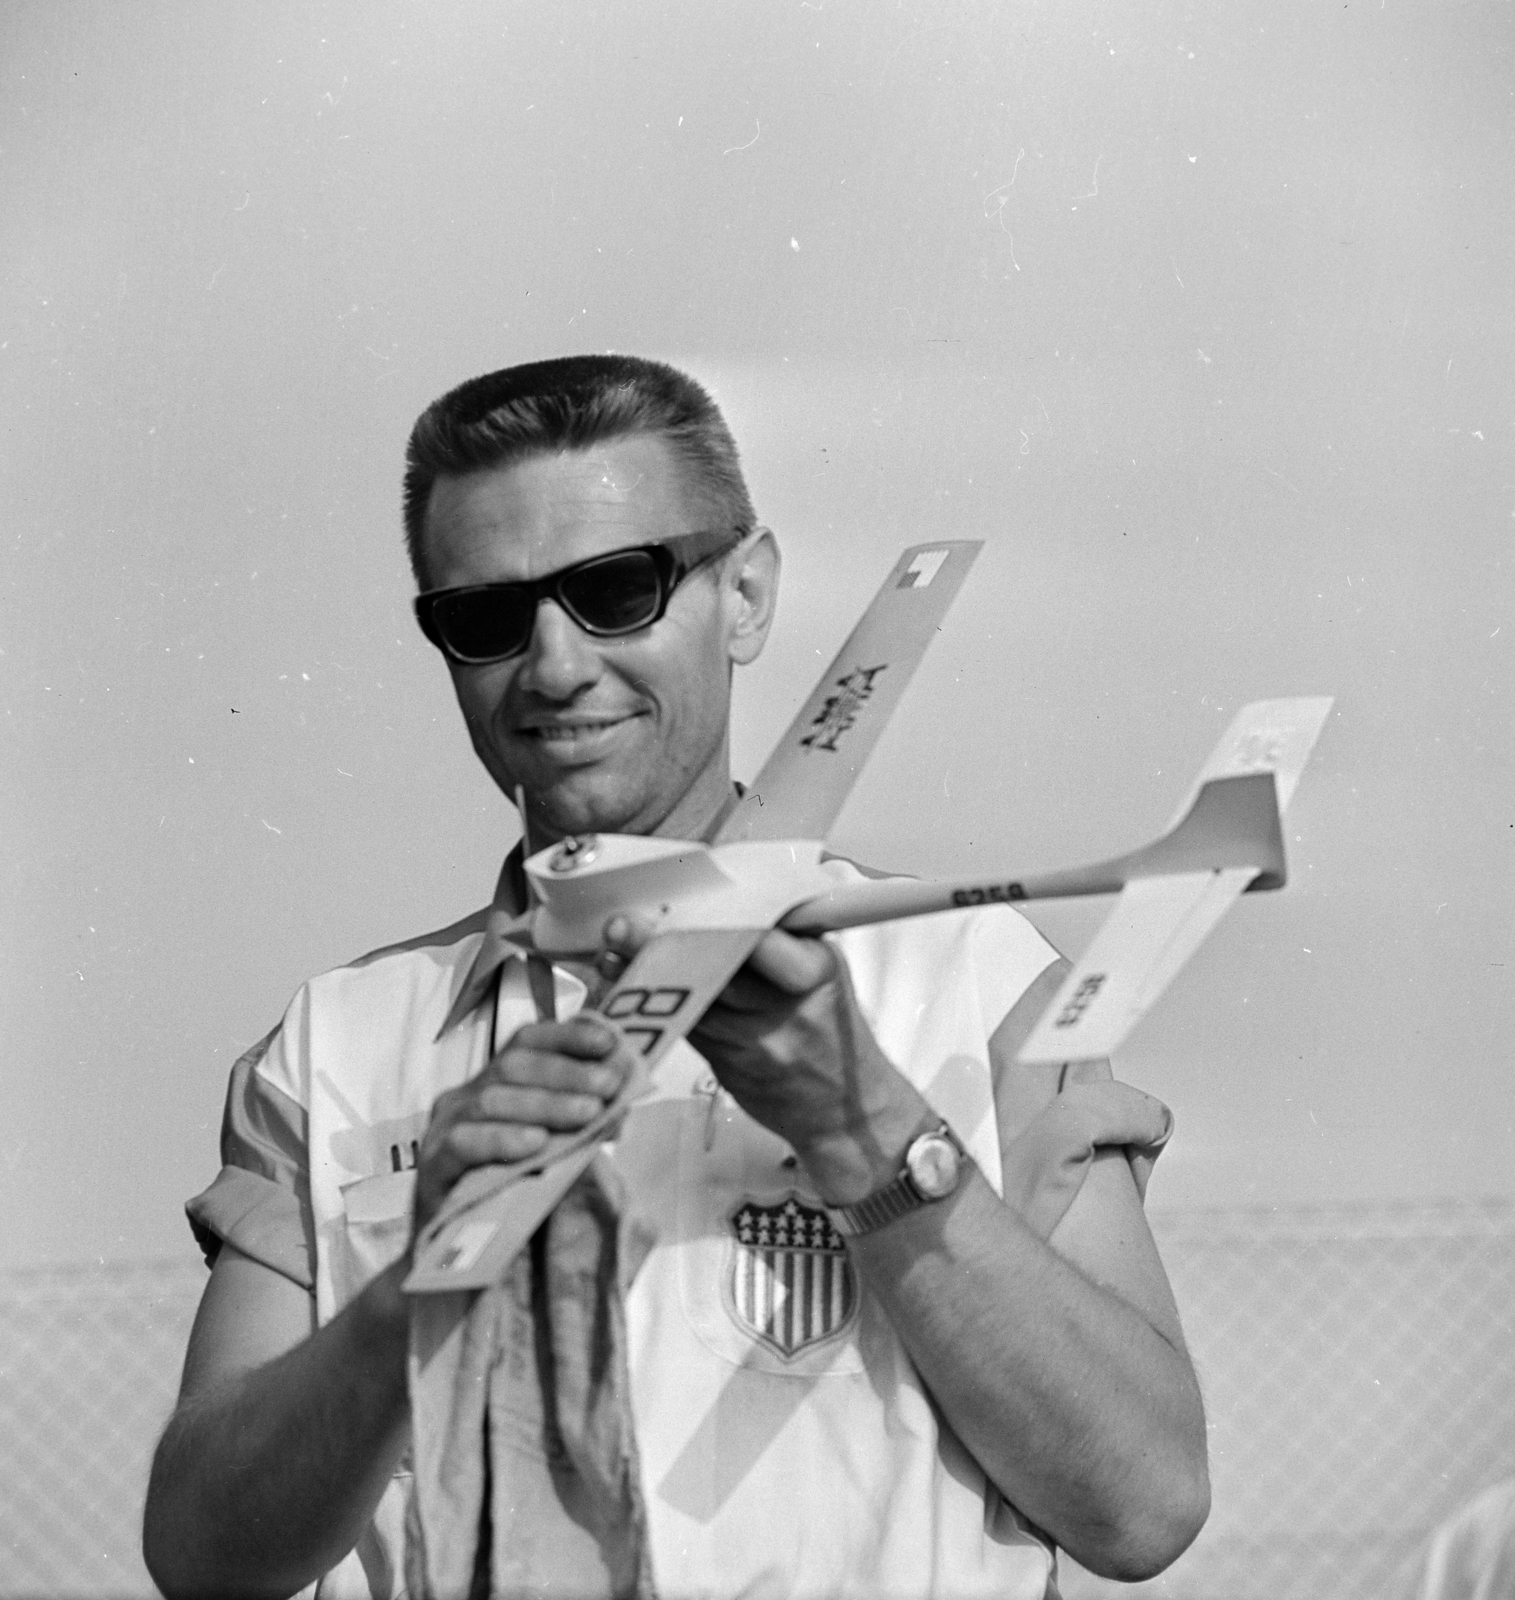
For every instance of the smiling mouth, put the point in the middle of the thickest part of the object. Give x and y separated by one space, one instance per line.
570 733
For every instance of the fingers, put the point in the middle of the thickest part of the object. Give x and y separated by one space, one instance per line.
586 1037
454 1145
552 1077
624 936
585 1058
793 964
464 1144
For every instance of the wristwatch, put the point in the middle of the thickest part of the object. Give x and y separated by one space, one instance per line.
933 1169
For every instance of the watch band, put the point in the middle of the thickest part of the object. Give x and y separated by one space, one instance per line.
895 1199
899 1196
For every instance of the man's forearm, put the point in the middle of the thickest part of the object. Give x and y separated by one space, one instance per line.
1078 1409
265 1481
1069 1394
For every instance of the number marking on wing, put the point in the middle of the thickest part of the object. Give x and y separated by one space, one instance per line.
492 1211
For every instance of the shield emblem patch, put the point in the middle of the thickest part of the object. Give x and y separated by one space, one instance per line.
789 1282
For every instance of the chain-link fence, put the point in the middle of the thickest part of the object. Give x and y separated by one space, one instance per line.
1358 1375
89 1366
1356 1365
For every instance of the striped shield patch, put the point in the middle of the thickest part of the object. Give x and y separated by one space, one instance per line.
790 1281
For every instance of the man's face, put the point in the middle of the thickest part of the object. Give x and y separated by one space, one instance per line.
624 735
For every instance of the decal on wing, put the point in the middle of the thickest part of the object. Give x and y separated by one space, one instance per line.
806 781
492 1211
1153 929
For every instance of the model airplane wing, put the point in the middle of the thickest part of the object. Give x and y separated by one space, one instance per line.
806 781
492 1211
1160 920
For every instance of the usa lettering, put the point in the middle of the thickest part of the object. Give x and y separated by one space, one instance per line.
839 711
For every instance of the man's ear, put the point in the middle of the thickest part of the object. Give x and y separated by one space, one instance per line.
754 594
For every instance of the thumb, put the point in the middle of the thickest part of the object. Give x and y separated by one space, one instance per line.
792 963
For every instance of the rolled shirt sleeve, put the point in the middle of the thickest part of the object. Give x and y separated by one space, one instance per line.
1083 1110
260 1200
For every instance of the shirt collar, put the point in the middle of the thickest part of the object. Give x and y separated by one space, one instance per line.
494 951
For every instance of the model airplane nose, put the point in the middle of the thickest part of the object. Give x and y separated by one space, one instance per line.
573 853
580 883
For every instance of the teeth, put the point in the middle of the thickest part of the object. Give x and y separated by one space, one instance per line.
563 735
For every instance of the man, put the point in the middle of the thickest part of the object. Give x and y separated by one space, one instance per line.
965 1394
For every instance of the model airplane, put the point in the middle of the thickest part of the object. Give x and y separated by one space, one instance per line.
709 903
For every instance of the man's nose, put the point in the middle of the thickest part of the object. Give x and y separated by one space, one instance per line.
560 658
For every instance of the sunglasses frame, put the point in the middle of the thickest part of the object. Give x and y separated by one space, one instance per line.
672 559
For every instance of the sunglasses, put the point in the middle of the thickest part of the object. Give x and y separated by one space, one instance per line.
607 596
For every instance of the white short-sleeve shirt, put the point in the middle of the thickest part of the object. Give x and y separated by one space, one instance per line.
788 1447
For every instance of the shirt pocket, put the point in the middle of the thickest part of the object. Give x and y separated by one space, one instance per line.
377 1227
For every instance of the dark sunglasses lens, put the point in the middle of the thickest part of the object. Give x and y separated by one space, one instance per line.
615 595
486 625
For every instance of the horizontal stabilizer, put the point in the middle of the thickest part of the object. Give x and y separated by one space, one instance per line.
1155 926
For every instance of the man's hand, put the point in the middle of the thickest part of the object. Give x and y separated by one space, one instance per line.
552 1077
786 1039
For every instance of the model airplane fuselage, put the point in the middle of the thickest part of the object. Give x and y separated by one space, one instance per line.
670 884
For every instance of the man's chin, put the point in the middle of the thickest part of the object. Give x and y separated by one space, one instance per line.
582 803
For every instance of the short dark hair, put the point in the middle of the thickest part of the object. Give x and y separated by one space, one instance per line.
569 404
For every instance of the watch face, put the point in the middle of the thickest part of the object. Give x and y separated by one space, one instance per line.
933 1165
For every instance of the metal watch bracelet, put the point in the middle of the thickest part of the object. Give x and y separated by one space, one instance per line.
902 1194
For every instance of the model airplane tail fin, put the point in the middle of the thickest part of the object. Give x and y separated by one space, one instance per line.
1161 918
1232 822
1274 736
807 779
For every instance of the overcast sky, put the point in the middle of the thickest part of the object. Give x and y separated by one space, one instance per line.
1200 316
